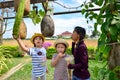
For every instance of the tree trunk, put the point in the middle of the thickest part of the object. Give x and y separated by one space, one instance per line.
1 39
1 30
114 58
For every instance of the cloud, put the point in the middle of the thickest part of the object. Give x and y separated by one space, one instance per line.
68 24
62 23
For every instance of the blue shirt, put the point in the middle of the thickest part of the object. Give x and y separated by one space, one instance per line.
38 60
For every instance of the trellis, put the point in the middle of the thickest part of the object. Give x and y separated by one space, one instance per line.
8 4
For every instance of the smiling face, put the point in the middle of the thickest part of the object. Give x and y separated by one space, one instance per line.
38 41
60 48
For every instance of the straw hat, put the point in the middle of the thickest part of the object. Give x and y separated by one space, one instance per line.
37 35
58 41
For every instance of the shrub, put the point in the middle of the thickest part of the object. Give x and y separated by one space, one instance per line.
91 52
15 51
51 51
3 60
11 51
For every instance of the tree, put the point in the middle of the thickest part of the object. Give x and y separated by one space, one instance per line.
2 28
109 20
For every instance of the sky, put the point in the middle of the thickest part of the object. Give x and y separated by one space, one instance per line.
64 22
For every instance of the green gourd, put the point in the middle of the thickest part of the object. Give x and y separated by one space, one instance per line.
18 18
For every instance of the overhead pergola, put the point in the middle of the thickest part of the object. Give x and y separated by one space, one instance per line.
8 4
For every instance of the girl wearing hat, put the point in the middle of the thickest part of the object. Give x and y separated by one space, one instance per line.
58 60
38 54
79 51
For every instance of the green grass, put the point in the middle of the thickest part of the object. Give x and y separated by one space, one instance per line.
25 72
11 63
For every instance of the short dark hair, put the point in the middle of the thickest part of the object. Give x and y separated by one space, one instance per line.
81 31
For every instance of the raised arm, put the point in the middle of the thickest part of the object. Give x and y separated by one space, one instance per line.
56 58
22 45
54 61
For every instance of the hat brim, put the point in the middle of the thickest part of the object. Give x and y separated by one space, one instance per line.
37 35
61 41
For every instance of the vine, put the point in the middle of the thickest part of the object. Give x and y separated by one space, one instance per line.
109 20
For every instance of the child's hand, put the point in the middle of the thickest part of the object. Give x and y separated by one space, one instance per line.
60 55
70 78
46 70
15 37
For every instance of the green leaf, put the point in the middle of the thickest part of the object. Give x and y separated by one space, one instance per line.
103 37
118 17
81 5
118 6
100 2
95 15
86 15
104 27
111 76
114 38
113 30
91 18
95 25
106 51
42 13
94 1
101 46
101 73
118 25
83 11
95 72
38 19
114 21
86 6
91 5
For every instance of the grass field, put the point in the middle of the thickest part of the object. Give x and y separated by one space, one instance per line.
89 42
25 72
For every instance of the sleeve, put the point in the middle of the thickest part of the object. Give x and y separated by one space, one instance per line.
30 51
54 56
83 62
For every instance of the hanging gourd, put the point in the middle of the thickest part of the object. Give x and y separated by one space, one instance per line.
27 6
18 18
47 24
23 30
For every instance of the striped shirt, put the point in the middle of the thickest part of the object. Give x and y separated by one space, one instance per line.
38 61
60 72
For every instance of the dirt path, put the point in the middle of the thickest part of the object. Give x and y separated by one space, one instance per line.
13 70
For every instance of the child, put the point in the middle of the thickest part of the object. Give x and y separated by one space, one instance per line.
59 62
38 54
80 54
